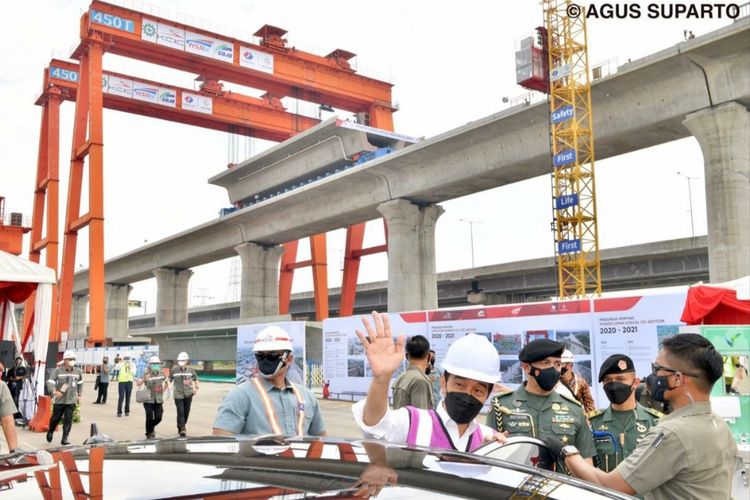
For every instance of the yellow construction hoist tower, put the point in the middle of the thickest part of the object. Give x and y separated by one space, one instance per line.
572 149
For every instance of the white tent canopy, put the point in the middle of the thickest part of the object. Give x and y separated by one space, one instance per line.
17 270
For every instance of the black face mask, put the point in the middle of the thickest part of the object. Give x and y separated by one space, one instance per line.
617 392
546 378
564 371
462 408
270 366
659 385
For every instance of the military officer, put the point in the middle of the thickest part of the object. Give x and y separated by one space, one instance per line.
621 426
535 408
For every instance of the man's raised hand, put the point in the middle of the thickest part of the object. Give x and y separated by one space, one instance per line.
383 354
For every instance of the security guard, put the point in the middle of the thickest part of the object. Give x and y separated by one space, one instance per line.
621 426
690 453
66 385
535 408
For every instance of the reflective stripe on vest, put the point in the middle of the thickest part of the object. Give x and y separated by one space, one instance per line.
271 414
426 429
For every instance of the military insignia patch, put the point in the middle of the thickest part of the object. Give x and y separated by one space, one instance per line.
640 427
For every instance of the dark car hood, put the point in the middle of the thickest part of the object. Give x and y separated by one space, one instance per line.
267 467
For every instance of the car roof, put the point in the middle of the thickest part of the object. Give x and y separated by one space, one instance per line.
273 466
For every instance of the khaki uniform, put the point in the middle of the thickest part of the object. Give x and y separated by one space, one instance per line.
413 388
618 433
524 414
70 383
155 384
7 407
689 454
182 379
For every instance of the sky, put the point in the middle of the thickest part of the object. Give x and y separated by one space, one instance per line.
451 63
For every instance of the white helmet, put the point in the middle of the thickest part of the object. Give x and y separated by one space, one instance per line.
183 356
474 357
154 359
272 338
69 354
567 356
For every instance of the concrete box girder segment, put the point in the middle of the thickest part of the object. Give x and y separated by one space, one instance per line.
324 147
635 108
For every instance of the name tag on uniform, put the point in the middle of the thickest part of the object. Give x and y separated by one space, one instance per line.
603 439
515 420
563 419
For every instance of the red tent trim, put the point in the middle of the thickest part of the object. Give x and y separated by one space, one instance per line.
709 305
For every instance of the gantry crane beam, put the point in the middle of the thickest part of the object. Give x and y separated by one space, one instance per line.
271 66
231 112
295 73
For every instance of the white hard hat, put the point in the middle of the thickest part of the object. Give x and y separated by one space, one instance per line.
272 338
183 356
474 357
567 356
69 354
154 359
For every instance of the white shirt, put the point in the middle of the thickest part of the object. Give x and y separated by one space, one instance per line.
394 426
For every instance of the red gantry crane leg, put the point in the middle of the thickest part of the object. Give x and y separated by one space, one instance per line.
46 192
88 118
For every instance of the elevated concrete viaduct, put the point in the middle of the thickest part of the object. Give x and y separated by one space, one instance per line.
701 86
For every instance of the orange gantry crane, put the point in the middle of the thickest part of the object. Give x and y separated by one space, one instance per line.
270 65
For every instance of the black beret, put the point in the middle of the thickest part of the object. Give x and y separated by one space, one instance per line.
540 349
617 363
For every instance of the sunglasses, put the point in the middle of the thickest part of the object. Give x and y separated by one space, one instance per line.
269 355
655 368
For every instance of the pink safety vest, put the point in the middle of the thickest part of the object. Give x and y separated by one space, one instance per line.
438 436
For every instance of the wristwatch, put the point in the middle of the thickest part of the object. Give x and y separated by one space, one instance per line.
567 451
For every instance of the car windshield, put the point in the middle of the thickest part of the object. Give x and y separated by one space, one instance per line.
274 467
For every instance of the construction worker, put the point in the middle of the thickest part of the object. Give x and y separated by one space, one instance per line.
184 386
575 383
624 423
270 403
66 385
535 408
690 453
412 388
125 377
470 368
157 384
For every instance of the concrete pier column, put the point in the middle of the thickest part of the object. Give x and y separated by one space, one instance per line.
412 279
723 133
116 304
78 317
259 294
172 296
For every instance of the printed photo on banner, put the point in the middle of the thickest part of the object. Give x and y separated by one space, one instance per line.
507 344
577 341
530 335
247 367
510 371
